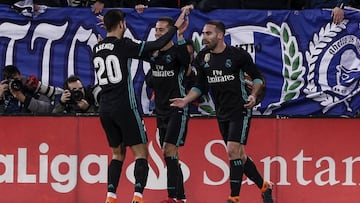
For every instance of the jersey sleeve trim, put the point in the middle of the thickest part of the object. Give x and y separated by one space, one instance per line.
181 42
257 80
141 48
197 90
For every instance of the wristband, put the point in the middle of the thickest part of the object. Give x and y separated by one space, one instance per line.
181 42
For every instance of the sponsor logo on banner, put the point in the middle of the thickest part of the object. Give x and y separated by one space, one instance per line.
72 161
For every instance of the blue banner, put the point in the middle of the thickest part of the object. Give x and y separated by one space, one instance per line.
311 65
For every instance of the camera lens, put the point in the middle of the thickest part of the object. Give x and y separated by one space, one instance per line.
76 95
15 84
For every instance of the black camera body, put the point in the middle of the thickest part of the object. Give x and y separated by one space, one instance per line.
76 95
15 84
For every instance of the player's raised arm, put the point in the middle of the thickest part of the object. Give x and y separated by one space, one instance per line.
163 40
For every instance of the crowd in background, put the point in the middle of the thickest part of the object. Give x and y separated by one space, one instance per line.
203 5
32 8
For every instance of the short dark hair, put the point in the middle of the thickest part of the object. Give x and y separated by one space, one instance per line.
167 19
112 18
70 79
218 24
9 71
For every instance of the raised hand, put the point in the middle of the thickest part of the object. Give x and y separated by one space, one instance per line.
140 8
183 26
98 7
182 18
338 15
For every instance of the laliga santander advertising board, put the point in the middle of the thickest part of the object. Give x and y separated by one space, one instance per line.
64 159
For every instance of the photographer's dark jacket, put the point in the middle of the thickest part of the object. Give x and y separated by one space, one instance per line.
36 103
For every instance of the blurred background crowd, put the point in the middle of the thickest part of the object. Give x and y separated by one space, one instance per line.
203 5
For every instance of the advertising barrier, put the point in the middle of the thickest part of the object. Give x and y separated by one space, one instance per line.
64 159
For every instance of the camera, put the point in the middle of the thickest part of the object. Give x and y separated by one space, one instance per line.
76 95
15 84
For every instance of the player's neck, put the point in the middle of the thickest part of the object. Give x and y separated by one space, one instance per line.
219 48
116 34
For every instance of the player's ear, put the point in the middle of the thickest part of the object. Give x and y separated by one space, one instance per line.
122 25
220 35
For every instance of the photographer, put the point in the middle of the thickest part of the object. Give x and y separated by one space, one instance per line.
76 98
19 94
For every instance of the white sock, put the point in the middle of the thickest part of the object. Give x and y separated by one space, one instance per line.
111 194
138 194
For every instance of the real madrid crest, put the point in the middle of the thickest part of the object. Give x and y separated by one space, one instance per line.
206 60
